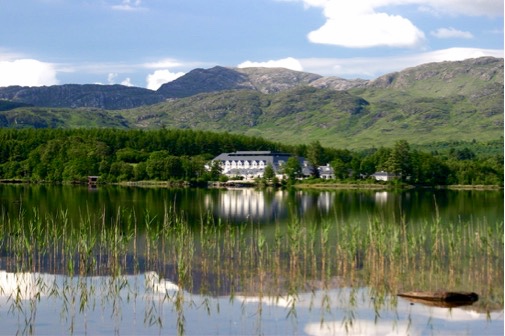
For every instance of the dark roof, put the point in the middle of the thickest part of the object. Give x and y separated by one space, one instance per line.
266 156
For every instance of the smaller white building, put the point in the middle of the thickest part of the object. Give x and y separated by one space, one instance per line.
326 172
384 176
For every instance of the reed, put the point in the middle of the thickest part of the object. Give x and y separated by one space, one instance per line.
270 262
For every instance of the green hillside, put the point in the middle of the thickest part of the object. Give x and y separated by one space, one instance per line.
437 102
353 119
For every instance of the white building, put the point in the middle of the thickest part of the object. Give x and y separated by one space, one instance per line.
252 164
384 176
326 172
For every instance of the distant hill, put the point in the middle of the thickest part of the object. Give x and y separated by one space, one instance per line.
433 102
216 79
264 80
205 80
110 97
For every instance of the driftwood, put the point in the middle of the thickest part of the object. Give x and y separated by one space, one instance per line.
441 299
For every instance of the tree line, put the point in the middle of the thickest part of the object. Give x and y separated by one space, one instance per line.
71 155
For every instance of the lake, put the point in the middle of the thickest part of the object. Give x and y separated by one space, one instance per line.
131 260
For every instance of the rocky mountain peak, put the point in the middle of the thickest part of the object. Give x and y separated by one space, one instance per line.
199 80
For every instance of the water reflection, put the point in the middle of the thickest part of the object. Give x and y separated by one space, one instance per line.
382 196
261 205
151 261
147 304
248 204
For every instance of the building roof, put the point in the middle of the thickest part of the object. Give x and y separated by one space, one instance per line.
383 173
266 156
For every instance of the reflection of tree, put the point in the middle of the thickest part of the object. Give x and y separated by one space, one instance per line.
211 258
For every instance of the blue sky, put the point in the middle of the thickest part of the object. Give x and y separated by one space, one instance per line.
148 42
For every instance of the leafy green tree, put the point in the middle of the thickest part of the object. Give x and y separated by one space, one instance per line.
140 171
131 155
316 156
462 154
193 167
367 166
292 168
121 171
428 170
155 166
269 172
399 161
162 166
340 169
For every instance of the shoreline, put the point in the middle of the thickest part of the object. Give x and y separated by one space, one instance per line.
250 184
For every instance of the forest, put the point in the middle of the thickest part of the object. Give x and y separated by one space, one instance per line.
71 155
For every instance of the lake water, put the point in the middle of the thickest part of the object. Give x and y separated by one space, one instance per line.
262 206
246 261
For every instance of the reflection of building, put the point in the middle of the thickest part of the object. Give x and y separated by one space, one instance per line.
247 203
325 201
252 164
381 196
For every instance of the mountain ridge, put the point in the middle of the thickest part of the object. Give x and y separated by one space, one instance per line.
433 102
219 78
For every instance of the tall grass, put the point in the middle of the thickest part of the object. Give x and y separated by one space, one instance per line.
274 262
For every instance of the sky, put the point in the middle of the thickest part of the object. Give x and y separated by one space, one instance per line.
146 43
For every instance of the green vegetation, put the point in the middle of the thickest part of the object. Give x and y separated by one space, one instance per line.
358 118
354 119
248 260
55 155
431 103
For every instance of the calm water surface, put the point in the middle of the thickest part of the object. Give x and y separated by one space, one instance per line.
264 271
261 206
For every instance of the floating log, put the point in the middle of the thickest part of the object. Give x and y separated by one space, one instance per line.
441 298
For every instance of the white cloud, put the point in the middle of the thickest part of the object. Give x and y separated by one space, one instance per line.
465 7
372 67
27 72
450 32
369 28
454 7
160 77
129 5
163 63
366 23
127 82
288 63
111 78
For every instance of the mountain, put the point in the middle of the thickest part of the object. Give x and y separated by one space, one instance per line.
216 79
205 80
264 80
424 104
432 102
111 97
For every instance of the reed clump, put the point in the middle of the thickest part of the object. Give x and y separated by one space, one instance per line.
274 261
